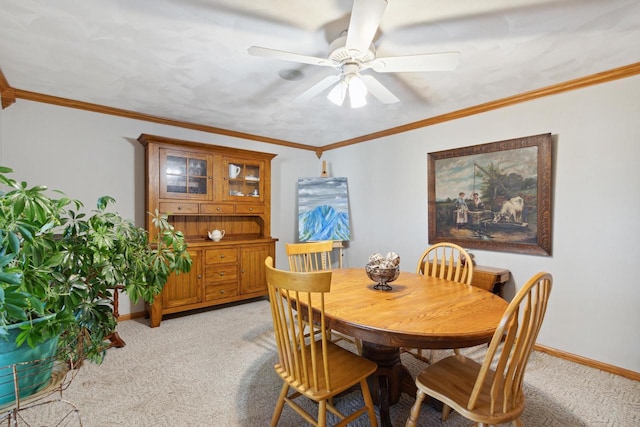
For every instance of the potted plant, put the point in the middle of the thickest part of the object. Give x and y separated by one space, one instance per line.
60 268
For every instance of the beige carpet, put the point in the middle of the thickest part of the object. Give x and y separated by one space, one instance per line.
215 368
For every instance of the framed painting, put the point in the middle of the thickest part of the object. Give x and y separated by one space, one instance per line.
323 209
494 196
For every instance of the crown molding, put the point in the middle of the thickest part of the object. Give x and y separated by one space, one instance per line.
594 79
9 96
7 93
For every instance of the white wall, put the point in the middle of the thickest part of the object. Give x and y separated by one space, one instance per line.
595 303
88 155
594 309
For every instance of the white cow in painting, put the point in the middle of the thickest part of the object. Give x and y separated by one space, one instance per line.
511 210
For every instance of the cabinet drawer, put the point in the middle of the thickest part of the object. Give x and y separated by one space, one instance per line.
219 256
250 209
177 208
214 292
214 208
222 273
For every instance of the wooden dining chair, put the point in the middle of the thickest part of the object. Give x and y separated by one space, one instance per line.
312 366
316 256
309 256
445 261
491 393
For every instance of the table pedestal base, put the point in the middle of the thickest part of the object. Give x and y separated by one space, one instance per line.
390 379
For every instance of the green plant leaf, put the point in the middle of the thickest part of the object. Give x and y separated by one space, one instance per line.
12 278
14 242
15 311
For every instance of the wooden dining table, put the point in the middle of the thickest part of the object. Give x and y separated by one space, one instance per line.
418 312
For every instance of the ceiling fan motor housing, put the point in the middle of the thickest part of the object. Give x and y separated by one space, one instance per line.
340 54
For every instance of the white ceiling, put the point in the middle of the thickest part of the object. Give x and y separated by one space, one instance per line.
187 60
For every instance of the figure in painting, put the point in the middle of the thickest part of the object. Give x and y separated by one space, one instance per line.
461 210
477 203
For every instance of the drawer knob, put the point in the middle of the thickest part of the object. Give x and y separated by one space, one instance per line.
218 208
199 276
222 291
250 209
222 273
179 208
222 256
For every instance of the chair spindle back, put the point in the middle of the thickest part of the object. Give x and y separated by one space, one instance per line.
294 295
511 347
446 261
311 256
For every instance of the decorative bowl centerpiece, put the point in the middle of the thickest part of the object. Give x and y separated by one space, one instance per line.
383 270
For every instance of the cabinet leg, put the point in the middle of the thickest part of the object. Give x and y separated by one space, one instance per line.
156 313
116 340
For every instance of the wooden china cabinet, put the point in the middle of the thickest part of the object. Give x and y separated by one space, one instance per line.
205 187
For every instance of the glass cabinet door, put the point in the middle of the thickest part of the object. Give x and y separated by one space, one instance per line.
185 175
243 179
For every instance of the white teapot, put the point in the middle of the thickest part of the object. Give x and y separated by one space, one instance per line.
216 235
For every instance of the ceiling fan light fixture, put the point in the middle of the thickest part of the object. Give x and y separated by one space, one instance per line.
357 92
353 86
338 93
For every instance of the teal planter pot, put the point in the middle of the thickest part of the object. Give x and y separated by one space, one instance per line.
33 366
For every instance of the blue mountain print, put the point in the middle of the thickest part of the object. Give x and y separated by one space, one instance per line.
323 223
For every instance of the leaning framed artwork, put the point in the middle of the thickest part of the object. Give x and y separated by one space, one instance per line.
323 209
494 196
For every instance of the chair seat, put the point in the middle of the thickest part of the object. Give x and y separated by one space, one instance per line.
346 368
451 381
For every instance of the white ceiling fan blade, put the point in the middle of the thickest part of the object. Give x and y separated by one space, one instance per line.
427 62
317 88
376 89
365 20
289 56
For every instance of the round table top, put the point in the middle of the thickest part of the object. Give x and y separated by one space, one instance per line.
418 312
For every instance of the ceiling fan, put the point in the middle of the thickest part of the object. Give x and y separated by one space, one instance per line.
353 52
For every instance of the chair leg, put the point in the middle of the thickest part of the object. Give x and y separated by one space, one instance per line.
517 423
446 410
427 357
418 354
352 340
415 409
430 357
280 405
322 413
366 395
